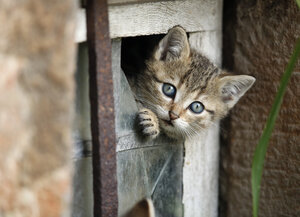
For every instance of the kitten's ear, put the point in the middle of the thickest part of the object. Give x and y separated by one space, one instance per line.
144 208
174 46
233 87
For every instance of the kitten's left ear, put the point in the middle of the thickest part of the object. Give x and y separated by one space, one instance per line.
233 87
174 46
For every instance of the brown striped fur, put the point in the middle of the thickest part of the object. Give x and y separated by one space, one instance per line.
195 79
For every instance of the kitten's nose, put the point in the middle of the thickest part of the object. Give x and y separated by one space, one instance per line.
173 115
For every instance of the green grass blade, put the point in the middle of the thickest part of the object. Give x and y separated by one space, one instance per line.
261 148
298 2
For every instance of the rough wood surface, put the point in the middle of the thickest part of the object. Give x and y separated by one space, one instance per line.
159 17
201 165
265 34
144 168
200 174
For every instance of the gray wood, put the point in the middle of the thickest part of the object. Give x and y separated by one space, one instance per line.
144 168
158 17
201 163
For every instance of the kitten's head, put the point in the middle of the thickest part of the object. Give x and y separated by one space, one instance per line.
186 91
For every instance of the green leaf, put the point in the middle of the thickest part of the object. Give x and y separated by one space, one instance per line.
298 3
261 148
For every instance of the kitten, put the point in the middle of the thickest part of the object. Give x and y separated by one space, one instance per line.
144 208
181 92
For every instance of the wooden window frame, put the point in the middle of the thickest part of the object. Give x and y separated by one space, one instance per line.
202 31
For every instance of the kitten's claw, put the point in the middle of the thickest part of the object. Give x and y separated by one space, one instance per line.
149 123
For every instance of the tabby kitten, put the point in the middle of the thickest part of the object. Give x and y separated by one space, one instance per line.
181 92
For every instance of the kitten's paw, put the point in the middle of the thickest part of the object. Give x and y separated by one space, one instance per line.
148 122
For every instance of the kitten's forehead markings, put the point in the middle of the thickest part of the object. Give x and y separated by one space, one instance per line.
167 78
156 78
163 75
179 93
180 84
200 73
171 76
174 81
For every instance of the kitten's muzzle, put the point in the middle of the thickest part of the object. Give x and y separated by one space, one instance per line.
168 122
173 115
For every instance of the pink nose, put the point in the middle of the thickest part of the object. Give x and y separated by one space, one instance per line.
173 115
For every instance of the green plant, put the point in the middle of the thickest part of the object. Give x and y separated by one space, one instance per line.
261 148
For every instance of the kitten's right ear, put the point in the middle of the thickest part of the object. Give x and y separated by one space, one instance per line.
144 208
233 87
174 46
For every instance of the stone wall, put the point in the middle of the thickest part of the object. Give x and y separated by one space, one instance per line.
261 36
37 54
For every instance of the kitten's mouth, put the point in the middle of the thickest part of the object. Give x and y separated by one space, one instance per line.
168 122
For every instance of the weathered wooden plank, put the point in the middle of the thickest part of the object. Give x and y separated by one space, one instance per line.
200 174
159 17
102 110
150 169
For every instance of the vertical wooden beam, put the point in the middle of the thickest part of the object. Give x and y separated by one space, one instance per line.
201 163
102 110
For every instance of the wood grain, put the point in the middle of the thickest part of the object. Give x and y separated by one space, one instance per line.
201 165
159 17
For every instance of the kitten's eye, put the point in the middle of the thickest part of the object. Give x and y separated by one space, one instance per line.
197 107
169 90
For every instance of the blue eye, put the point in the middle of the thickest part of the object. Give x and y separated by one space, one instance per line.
169 90
197 107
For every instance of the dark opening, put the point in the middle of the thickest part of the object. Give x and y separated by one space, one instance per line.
135 50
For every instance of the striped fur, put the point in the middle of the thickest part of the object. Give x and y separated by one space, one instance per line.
195 79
